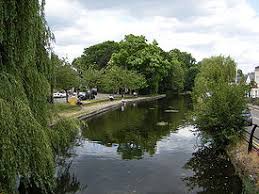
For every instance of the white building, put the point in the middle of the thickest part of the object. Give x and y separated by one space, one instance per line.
254 77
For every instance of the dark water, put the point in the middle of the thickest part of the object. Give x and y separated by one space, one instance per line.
141 148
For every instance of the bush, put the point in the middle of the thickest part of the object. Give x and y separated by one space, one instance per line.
218 102
63 134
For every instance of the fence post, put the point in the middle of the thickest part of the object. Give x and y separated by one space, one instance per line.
250 146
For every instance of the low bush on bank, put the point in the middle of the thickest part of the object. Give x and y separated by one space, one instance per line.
63 134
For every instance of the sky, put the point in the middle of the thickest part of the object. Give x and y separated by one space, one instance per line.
202 27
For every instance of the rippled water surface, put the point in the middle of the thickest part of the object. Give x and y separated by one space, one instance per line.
146 148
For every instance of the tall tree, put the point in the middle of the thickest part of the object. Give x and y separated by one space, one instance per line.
98 55
188 64
92 78
66 78
116 78
136 54
174 70
25 73
218 102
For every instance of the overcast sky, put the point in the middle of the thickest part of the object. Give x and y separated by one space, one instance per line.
201 27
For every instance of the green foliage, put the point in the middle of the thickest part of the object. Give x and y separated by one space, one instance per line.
188 64
162 71
62 107
25 149
91 77
97 55
27 78
136 54
174 80
63 134
66 78
218 102
133 80
116 78
249 186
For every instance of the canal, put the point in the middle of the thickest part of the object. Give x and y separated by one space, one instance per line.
148 147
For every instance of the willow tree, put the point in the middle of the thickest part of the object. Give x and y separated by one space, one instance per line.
25 74
219 102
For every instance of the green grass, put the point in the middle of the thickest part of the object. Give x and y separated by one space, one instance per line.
65 107
248 186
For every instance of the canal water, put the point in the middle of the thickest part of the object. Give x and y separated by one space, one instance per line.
148 147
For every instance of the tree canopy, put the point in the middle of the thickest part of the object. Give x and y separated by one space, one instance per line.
98 55
66 78
219 102
116 78
27 154
25 72
174 70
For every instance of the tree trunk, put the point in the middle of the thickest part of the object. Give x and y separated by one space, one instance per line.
66 96
51 98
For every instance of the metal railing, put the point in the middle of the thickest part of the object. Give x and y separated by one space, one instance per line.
253 142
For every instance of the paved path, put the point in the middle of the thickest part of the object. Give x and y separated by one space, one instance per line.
88 110
255 114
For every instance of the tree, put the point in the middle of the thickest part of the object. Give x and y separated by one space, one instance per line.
174 70
218 101
116 78
112 79
66 78
188 64
92 77
174 81
98 55
137 55
25 74
55 62
134 81
240 77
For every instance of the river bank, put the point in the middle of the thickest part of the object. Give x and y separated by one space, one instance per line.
88 110
246 165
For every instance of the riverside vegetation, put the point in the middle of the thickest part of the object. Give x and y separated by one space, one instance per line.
28 144
29 76
30 72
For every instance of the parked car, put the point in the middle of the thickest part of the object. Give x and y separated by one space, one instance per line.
59 95
89 95
248 119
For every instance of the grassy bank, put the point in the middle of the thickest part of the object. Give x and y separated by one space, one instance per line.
246 165
64 110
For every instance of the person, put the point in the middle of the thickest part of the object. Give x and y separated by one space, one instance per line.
78 102
111 97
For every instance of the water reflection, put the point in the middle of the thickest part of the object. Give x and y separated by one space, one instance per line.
142 149
66 181
137 130
213 172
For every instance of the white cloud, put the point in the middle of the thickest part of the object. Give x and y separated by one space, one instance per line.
228 27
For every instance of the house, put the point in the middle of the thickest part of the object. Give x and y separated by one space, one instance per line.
250 78
253 78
